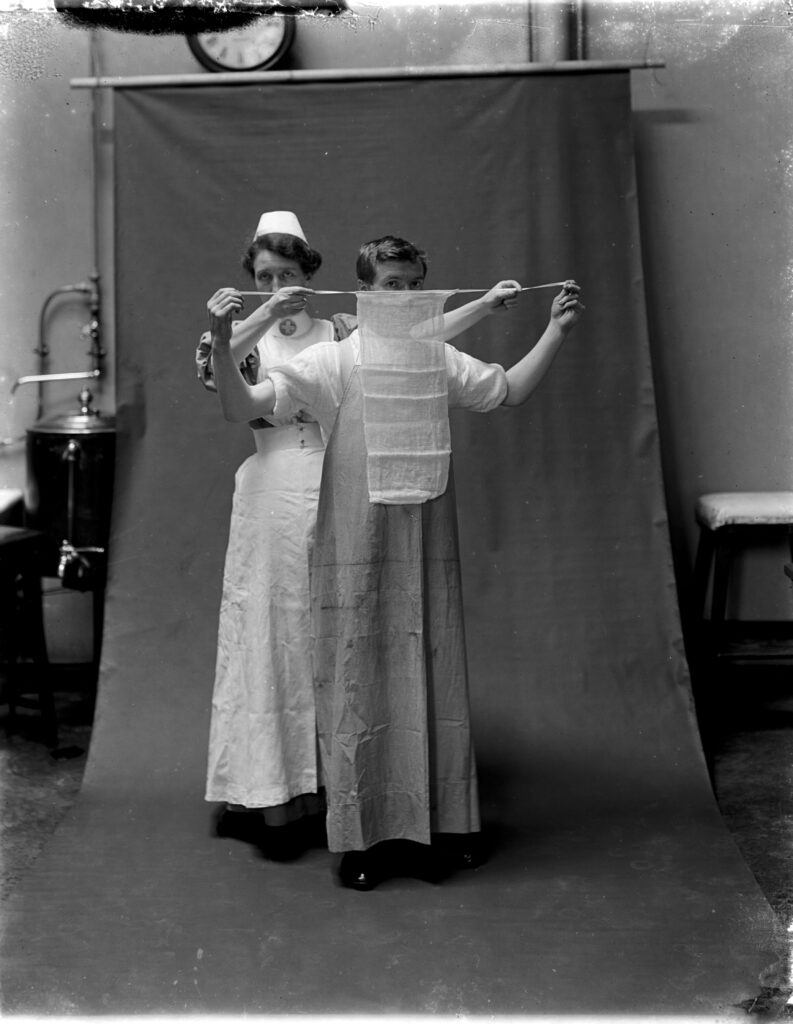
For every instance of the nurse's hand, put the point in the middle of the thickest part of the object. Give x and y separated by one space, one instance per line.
502 296
288 301
224 304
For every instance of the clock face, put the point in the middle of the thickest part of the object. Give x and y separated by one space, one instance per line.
253 47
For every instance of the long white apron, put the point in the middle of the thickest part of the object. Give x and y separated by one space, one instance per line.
390 668
263 745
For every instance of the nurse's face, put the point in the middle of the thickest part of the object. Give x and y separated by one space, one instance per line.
271 272
396 276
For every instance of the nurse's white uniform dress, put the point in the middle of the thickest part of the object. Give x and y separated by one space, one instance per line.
263 735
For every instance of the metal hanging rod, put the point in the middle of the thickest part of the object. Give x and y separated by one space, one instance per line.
362 74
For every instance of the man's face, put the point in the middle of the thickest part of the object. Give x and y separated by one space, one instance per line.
396 276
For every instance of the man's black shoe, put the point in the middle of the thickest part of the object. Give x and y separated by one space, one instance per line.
460 852
357 871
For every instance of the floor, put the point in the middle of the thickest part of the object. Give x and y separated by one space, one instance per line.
38 785
745 715
746 720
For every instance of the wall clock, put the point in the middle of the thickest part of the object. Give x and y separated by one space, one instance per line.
254 47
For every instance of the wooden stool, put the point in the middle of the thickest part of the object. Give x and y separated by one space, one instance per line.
727 521
21 555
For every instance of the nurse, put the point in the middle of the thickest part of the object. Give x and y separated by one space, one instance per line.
262 766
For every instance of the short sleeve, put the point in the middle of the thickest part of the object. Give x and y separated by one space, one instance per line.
249 368
203 361
474 385
343 325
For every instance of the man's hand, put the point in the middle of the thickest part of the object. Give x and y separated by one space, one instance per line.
567 307
502 297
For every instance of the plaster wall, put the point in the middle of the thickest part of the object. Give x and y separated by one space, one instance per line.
714 143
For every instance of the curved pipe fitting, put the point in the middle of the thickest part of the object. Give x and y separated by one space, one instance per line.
38 378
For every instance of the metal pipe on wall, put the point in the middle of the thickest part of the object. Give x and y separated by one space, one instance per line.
580 29
557 31
102 140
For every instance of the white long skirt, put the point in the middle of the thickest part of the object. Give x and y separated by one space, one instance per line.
263 736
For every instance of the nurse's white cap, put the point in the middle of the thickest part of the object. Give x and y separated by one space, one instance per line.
279 222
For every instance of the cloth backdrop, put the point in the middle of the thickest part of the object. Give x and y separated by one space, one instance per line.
571 605
613 885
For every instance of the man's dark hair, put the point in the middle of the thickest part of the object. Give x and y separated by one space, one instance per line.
387 248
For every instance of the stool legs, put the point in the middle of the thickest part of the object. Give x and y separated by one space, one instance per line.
702 566
721 582
714 552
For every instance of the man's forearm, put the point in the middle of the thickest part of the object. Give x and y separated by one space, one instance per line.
458 320
239 401
246 333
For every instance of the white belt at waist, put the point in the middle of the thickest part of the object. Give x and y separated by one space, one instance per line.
293 435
